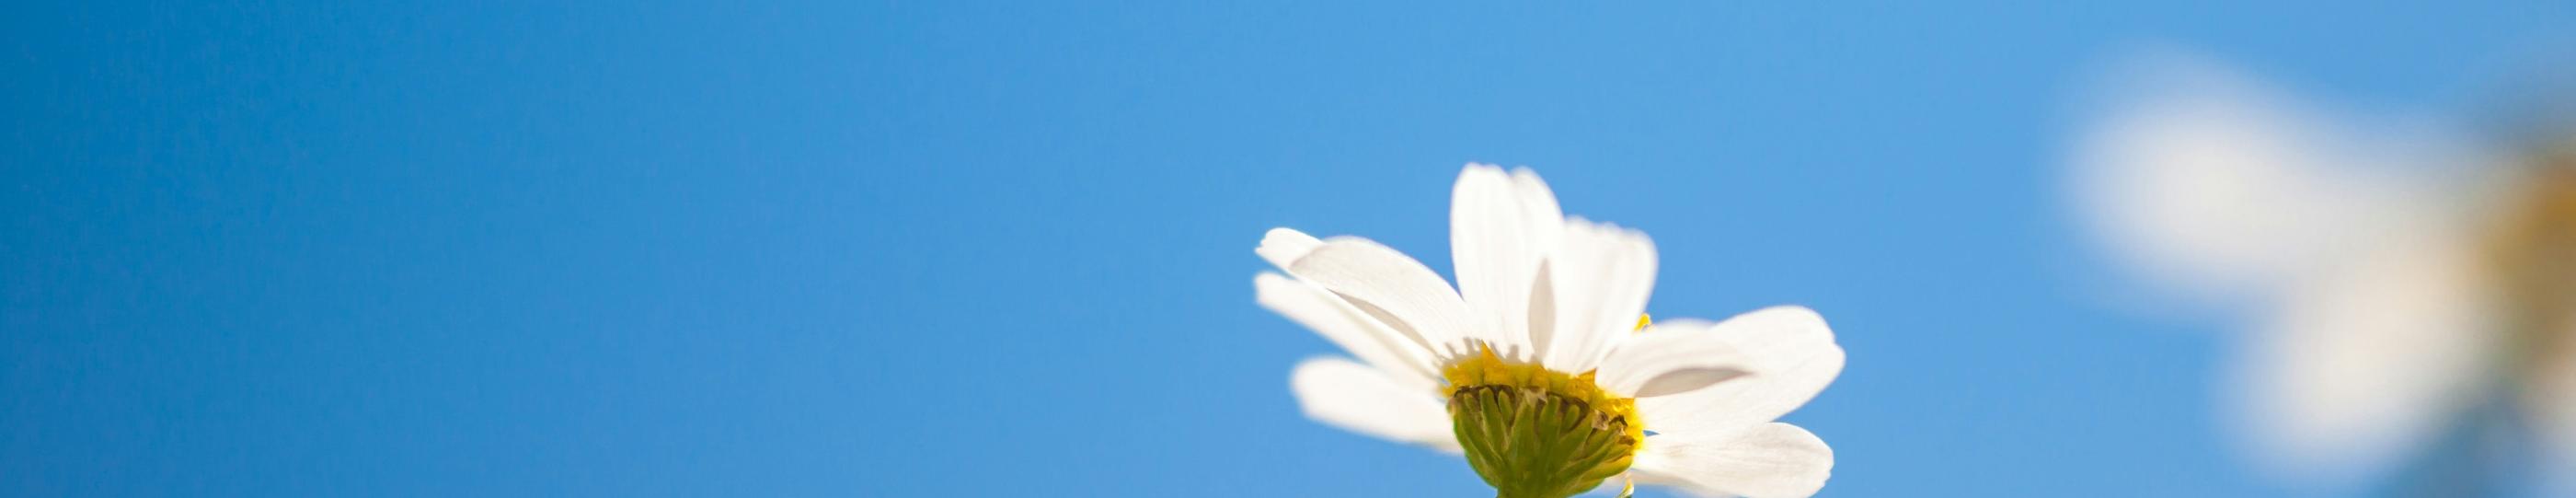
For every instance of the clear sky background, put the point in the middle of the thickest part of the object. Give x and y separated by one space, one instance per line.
971 249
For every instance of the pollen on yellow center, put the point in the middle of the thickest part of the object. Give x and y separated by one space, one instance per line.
1488 369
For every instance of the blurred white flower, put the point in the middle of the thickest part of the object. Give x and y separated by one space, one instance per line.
2394 274
1540 368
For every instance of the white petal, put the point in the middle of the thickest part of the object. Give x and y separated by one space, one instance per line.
1536 198
2373 360
1540 203
1667 360
1386 284
1793 352
1347 327
1365 400
2221 188
1498 230
1601 275
1282 246
1769 461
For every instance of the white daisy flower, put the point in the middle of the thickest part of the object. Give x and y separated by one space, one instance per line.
1541 367
2396 275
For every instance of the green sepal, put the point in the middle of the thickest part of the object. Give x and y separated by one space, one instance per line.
1531 443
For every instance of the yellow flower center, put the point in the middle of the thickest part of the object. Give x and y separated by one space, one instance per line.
2532 254
1531 432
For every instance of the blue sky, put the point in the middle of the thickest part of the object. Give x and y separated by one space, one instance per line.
972 249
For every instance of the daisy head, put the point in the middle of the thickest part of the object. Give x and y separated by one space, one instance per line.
1541 366
2398 279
